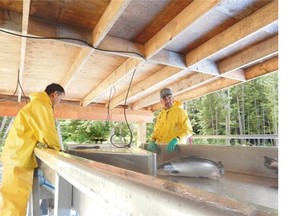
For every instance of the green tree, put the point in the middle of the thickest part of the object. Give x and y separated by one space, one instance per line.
249 108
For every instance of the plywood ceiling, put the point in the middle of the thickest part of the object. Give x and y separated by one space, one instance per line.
95 47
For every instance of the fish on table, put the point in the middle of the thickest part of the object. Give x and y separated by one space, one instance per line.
192 166
271 163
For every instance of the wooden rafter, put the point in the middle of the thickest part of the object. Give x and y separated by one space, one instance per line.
73 111
116 76
107 20
81 59
149 82
109 17
189 83
247 27
25 24
219 83
193 47
250 56
177 26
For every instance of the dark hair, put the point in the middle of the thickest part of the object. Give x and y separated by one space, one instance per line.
54 87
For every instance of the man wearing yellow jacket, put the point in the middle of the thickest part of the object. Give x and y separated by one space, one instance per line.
34 123
172 124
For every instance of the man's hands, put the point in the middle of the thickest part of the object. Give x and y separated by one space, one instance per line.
172 144
152 146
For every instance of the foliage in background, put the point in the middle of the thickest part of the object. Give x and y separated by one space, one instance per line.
84 131
121 134
246 109
250 108
79 131
150 127
5 123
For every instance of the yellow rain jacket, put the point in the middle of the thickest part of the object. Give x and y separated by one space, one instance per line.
172 123
34 123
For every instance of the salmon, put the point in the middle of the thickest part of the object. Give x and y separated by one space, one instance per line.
192 166
271 163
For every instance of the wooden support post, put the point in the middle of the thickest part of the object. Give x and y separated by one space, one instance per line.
141 133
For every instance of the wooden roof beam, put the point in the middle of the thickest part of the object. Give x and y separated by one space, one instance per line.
154 79
116 76
262 18
76 67
181 22
219 83
108 19
250 56
25 22
205 67
262 68
188 83
91 112
38 27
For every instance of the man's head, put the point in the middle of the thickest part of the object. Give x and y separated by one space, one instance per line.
167 98
55 92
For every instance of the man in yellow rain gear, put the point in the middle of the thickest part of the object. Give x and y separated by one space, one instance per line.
172 124
34 123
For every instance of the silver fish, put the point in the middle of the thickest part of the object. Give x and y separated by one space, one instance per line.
271 163
192 166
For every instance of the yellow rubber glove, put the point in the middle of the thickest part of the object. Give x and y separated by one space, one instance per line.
172 144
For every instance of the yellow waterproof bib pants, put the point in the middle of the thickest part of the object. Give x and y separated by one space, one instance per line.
15 190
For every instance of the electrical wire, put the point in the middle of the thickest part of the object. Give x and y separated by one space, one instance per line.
99 49
108 106
15 91
125 116
22 89
71 39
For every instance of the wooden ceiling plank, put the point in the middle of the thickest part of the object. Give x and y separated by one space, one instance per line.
248 57
108 19
264 17
261 69
148 83
182 21
81 60
116 76
25 22
188 83
126 48
109 42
